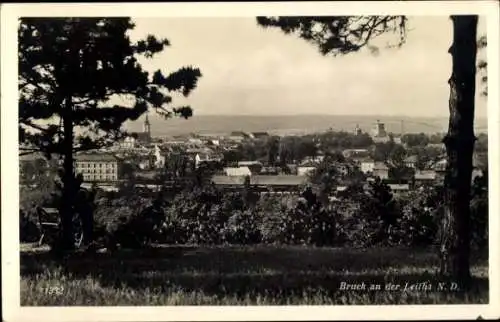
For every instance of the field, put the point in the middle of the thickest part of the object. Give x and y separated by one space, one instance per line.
240 275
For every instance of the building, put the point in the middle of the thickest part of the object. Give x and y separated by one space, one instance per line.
254 166
379 130
102 167
249 163
144 137
353 153
228 182
440 166
312 160
263 184
279 183
380 170
379 133
425 177
399 188
381 139
260 135
440 169
214 142
269 171
305 170
236 138
129 142
237 171
200 158
195 141
160 156
411 161
200 155
357 130
367 165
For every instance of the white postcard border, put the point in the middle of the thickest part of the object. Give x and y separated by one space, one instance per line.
10 181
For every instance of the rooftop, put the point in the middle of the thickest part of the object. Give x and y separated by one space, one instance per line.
308 164
256 134
239 171
32 156
96 157
364 159
396 187
282 180
247 163
146 174
380 166
425 175
411 158
266 180
228 180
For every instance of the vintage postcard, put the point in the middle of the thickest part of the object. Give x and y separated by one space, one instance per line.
250 161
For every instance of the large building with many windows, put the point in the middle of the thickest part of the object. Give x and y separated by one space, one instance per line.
98 167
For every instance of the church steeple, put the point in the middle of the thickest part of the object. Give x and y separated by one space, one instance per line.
147 126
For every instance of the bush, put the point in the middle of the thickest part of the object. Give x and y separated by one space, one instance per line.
323 227
276 226
123 222
209 217
242 228
479 212
196 218
418 226
371 219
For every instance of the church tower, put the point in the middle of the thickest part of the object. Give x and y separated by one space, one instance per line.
147 127
357 130
379 130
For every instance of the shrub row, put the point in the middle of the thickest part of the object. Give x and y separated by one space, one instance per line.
211 217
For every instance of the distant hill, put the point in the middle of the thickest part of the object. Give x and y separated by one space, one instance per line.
292 124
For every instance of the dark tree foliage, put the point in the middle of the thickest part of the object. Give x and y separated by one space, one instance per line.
383 151
381 207
482 143
341 34
483 64
479 211
272 150
398 155
71 72
413 139
426 155
331 140
84 63
346 34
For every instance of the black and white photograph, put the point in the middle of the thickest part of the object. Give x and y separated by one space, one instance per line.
266 158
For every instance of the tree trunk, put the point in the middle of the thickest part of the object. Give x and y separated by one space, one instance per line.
459 142
68 180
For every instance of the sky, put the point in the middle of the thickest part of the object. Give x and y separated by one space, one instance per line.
251 70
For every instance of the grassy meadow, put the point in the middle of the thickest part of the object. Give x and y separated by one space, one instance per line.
239 275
